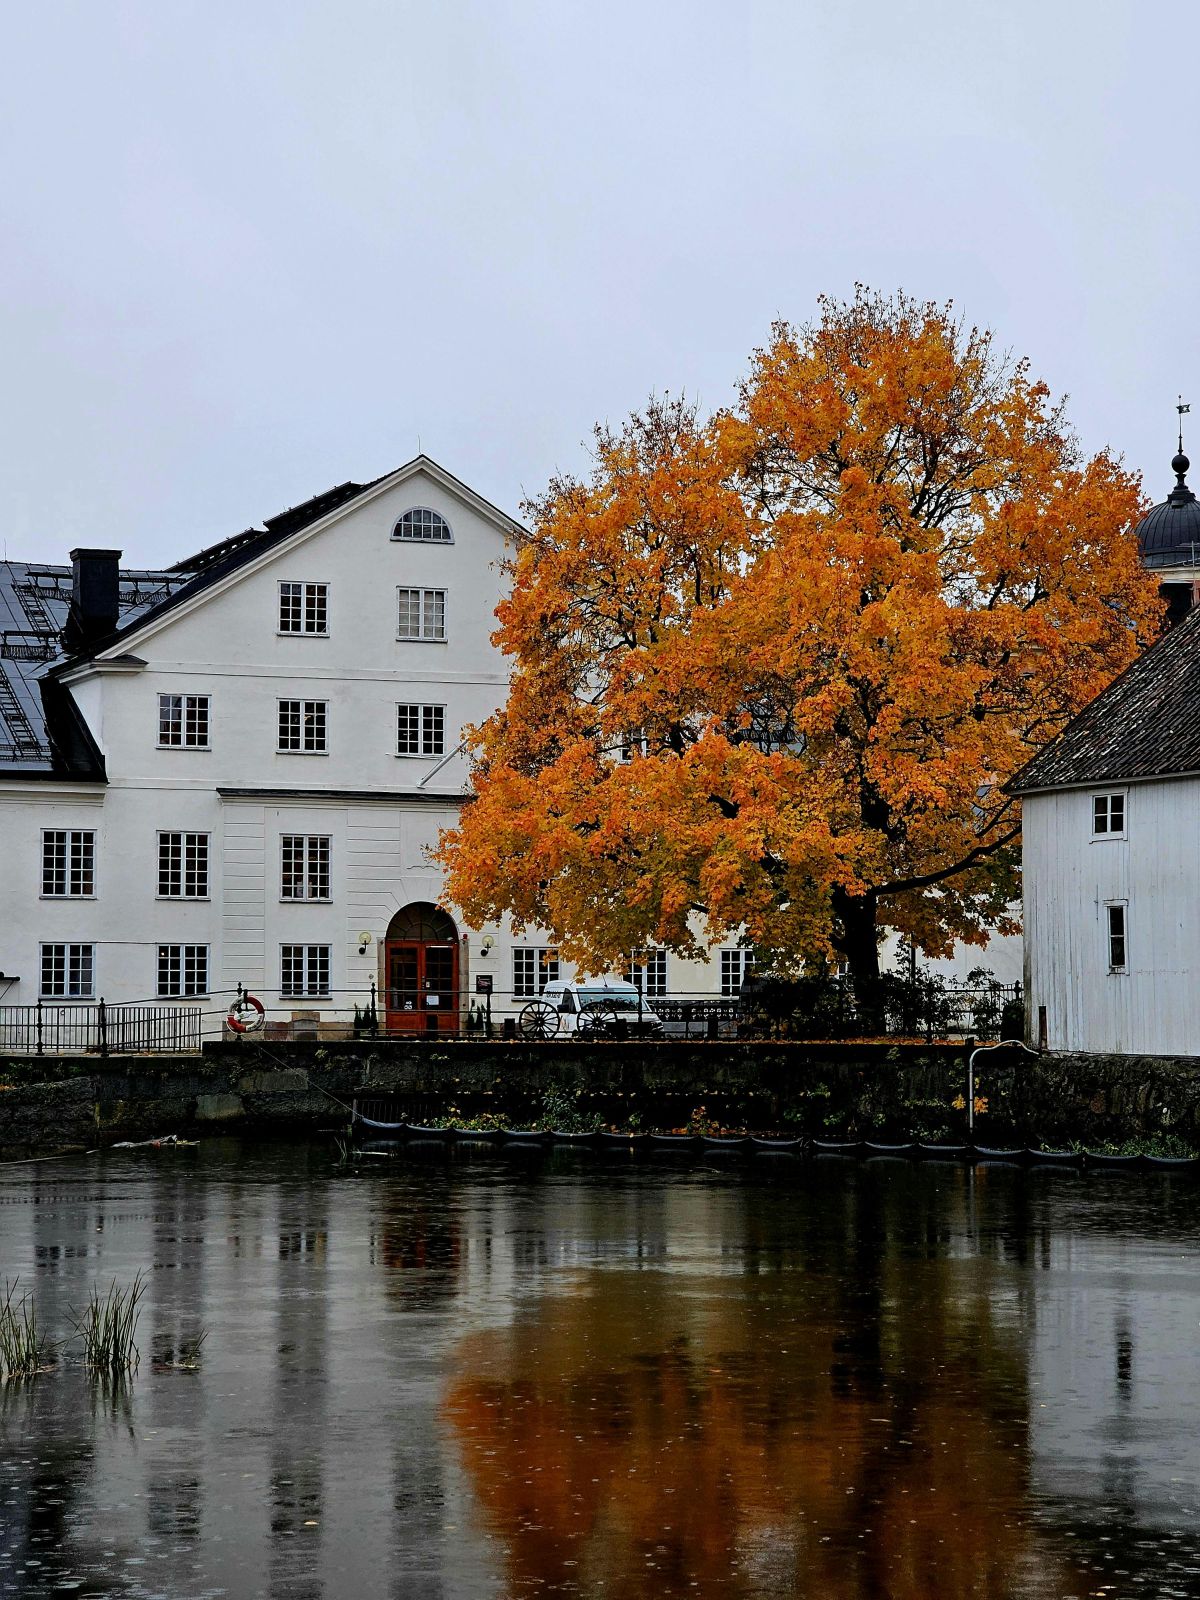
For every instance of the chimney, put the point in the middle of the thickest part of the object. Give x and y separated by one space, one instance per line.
95 597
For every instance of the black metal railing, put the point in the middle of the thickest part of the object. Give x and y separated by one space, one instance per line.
49 1028
767 1008
22 644
926 1007
891 1005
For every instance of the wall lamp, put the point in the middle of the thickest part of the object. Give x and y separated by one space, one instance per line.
485 944
364 940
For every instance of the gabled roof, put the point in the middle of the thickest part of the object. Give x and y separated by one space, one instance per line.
206 567
1146 724
219 561
42 734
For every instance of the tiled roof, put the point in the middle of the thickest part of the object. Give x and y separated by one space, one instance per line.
1144 725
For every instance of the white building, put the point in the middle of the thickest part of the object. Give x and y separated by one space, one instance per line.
1111 831
231 772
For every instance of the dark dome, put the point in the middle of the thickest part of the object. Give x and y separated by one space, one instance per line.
1169 536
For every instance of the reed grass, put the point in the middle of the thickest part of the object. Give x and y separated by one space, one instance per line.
189 1352
24 1348
108 1325
184 1359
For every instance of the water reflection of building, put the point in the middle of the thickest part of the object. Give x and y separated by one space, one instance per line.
470 1378
1114 1370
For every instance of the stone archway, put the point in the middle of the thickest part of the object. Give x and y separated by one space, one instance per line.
421 971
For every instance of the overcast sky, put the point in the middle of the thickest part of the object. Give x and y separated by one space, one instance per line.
252 248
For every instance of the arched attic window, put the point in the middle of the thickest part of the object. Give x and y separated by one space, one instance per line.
423 526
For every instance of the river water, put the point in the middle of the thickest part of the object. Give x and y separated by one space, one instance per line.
488 1374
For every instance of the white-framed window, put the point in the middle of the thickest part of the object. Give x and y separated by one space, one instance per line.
647 971
421 614
68 971
183 866
68 863
305 866
1108 816
1117 932
302 726
183 721
634 744
736 967
182 971
533 969
304 971
304 608
423 525
420 730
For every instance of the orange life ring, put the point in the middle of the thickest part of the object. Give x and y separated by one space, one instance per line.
250 1008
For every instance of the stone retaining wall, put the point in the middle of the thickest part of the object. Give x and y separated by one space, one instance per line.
884 1092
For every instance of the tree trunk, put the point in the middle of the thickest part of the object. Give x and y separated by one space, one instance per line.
858 941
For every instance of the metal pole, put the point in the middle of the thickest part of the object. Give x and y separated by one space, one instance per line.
39 1026
971 1094
103 1028
928 986
1000 1044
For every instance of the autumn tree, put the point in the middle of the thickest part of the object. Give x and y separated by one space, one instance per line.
772 669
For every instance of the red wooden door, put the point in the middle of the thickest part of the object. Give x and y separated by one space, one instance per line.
422 987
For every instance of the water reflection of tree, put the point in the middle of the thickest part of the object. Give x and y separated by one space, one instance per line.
846 1419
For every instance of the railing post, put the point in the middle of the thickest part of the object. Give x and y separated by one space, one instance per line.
928 986
374 1010
39 1025
103 1020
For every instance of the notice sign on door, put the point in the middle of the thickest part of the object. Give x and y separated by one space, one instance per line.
483 983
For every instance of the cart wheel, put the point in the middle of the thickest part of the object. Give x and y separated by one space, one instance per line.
597 1020
538 1020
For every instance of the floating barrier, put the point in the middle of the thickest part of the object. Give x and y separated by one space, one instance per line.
754 1145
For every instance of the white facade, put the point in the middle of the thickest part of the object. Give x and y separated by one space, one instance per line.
379 810
1082 886
233 801
236 796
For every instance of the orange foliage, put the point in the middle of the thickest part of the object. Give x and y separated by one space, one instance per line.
676 1439
827 625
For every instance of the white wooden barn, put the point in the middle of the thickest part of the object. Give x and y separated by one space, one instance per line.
1111 830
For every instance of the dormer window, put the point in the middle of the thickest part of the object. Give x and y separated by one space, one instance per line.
423 527
1108 816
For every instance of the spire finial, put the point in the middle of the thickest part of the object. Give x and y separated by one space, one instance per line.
1181 494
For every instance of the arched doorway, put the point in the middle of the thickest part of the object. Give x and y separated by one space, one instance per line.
421 971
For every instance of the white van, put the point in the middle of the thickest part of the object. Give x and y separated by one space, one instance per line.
593 1005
